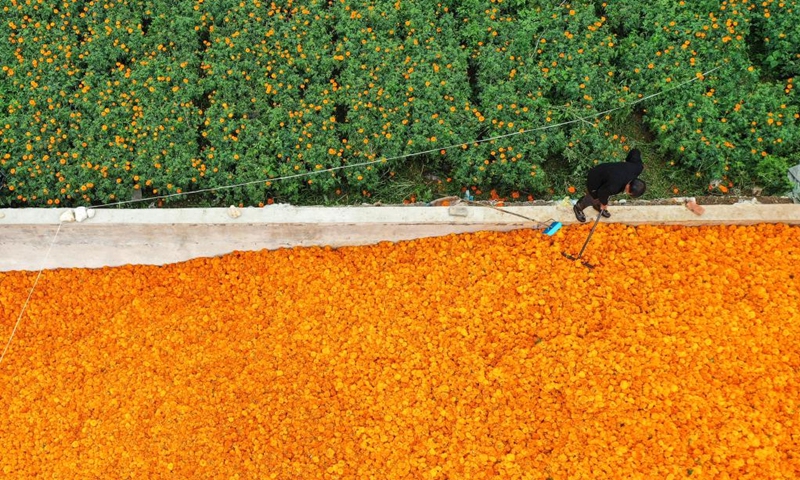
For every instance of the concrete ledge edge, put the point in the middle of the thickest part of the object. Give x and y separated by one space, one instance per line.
162 236
740 213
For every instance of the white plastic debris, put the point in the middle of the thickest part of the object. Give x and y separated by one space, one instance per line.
234 212
68 216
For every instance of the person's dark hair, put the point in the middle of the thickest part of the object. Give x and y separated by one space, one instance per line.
634 156
637 187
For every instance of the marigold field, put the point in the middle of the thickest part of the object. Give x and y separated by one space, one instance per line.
101 100
470 356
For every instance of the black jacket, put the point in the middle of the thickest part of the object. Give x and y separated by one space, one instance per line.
609 179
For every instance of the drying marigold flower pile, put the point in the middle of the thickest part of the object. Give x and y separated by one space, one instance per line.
470 356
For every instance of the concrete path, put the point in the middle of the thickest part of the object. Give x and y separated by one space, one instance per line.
160 236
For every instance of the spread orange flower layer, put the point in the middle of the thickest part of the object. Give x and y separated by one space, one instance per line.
467 356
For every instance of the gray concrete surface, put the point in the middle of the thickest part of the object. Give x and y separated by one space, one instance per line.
159 236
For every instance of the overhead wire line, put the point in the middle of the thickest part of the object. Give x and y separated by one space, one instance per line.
408 155
342 167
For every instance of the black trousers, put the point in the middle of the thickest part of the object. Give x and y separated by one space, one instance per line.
588 201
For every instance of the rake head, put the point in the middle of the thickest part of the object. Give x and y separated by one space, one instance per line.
585 264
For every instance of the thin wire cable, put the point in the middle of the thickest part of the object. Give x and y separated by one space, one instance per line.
30 293
408 155
362 164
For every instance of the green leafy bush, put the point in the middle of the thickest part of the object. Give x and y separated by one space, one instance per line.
720 127
101 99
774 37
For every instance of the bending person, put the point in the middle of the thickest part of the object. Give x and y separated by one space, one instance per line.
609 179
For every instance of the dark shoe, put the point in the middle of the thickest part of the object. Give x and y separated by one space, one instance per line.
605 214
578 213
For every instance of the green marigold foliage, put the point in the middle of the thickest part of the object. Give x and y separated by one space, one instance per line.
101 99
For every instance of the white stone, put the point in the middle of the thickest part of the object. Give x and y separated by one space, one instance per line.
90 212
68 216
80 214
2 215
234 212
